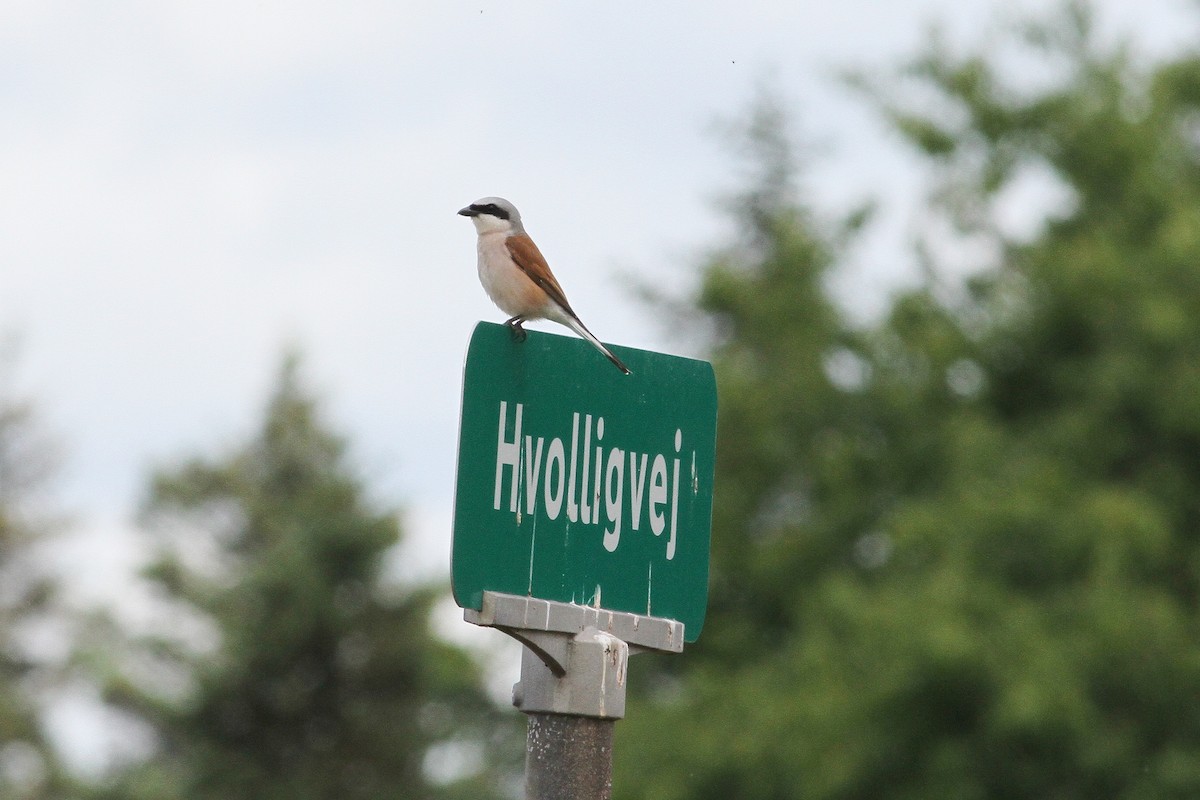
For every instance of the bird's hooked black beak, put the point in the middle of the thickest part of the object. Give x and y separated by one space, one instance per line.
469 211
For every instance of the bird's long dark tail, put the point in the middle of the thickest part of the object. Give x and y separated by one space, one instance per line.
577 326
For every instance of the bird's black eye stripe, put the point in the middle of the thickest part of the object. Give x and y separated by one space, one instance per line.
490 208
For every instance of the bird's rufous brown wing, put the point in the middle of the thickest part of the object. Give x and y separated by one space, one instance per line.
529 259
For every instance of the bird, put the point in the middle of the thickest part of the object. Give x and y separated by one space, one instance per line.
516 276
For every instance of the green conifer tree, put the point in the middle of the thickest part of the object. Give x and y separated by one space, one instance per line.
957 552
29 767
311 675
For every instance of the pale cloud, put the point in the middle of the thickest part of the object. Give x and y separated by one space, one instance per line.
189 187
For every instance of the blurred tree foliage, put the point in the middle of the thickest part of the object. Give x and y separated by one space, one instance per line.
296 669
29 767
957 551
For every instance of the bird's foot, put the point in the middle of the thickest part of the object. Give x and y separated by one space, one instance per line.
514 327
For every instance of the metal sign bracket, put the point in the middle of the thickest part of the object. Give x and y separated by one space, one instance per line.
575 657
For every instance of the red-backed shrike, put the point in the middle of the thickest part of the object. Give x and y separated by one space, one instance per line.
517 277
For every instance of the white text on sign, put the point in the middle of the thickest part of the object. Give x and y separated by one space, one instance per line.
565 476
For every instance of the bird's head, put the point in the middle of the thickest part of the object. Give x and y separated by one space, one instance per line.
494 215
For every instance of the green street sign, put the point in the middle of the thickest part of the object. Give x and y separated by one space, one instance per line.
582 485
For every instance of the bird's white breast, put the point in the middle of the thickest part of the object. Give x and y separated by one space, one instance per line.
503 280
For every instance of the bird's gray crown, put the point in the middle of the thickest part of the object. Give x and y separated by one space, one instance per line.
496 207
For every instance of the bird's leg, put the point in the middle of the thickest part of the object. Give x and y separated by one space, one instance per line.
514 327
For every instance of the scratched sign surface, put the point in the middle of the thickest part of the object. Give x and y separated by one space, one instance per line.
579 484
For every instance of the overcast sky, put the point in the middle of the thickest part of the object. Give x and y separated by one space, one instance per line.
188 188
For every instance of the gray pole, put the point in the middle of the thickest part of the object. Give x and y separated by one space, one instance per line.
572 686
568 758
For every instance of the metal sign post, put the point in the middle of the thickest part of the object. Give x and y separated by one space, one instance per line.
581 528
572 687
